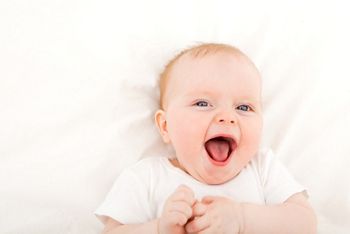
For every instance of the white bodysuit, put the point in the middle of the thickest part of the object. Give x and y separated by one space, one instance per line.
139 193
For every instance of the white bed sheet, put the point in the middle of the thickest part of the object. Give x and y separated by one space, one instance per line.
78 91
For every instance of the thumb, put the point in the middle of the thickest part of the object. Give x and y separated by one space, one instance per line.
208 199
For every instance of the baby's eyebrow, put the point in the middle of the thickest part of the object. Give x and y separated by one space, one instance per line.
252 100
199 93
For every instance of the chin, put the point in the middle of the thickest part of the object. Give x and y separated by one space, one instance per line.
219 179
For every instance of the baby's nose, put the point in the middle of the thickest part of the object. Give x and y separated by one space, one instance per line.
226 117
229 121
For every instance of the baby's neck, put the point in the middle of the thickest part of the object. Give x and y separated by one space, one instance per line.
177 164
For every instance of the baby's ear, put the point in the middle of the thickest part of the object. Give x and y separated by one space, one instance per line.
161 123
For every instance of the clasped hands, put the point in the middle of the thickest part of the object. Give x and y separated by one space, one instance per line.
182 213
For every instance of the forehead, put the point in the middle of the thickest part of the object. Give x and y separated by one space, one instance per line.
225 71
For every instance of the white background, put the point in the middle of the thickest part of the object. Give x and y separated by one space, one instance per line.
78 90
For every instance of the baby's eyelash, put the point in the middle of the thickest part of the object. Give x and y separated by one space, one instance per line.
244 108
201 103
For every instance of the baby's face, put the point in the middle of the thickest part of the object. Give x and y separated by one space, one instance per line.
213 115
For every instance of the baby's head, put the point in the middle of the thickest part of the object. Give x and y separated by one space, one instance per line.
211 111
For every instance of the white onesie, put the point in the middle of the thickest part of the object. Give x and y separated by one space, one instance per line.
139 193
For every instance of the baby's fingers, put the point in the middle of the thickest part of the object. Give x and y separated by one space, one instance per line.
183 193
197 225
177 218
199 209
181 207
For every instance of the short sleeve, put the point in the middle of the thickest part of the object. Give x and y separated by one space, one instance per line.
278 184
127 201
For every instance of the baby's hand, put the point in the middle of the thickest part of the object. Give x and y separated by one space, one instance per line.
176 212
216 215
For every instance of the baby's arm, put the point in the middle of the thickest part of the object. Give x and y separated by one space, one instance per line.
223 215
177 210
293 216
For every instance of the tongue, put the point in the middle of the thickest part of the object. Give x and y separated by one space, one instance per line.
218 149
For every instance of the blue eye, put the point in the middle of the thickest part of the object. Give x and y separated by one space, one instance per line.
244 108
202 104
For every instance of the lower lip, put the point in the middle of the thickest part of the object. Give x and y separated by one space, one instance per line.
218 163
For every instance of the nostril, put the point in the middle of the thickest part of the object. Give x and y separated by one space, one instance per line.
222 120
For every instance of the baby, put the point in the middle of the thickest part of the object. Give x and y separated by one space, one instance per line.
218 181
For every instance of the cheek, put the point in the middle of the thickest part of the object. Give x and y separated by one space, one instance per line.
251 133
176 126
186 133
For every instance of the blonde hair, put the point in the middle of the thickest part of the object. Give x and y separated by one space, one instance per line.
197 51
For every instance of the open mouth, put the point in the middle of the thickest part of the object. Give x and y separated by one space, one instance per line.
220 149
